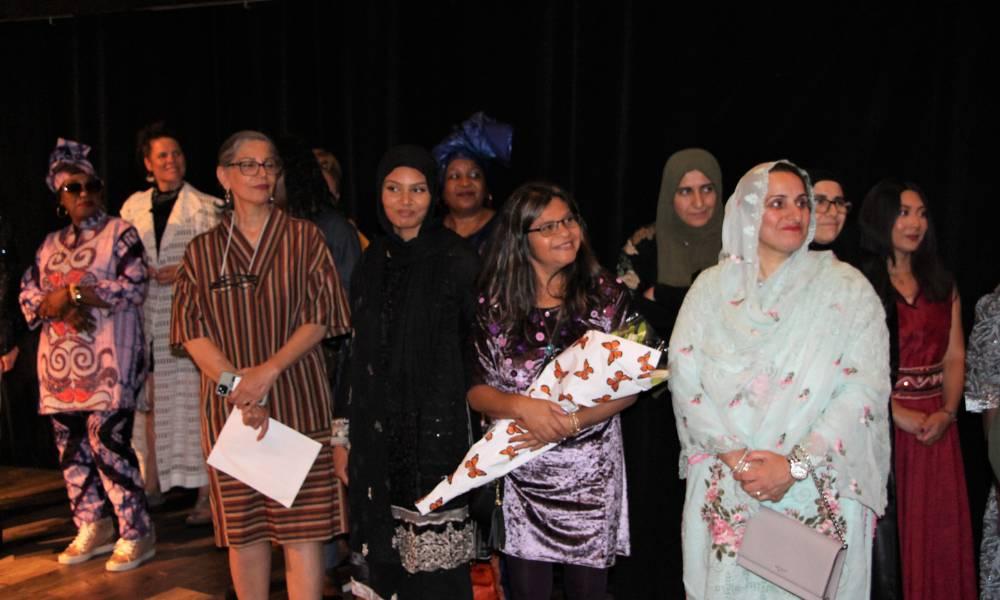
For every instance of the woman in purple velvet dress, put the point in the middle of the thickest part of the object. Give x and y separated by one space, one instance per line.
541 288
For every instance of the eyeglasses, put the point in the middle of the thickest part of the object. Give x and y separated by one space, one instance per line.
823 204
251 167
549 229
94 186
236 280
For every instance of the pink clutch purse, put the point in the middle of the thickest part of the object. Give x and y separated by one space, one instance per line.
792 555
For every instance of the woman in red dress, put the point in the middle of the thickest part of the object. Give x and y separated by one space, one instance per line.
928 360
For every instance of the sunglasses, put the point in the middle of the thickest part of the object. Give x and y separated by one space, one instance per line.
94 186
234 281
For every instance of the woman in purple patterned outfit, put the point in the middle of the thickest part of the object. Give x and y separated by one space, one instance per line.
541 289
85 289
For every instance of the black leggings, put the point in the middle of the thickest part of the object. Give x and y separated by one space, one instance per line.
532 580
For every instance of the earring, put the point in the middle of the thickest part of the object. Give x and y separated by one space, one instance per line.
149 177
227 199
61 211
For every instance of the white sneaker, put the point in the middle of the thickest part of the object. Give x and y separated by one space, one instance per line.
92 539
129 554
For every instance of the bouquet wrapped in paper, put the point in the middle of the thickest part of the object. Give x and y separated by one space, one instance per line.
599 367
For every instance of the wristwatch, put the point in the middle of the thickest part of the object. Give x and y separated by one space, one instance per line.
798 463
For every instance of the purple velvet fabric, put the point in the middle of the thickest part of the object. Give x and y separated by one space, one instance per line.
569 504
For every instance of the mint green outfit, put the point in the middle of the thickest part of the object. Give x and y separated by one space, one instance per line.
801 358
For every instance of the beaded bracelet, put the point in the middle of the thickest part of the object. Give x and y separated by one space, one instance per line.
340 433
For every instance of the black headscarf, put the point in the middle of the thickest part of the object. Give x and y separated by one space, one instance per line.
846 246
817 175
414 157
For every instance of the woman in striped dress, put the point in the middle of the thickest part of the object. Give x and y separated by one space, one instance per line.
254 296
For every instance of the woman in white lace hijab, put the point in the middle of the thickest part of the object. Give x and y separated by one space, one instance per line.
779 359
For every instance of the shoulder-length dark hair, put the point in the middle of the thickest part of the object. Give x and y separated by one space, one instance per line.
306 192
507 279
877 218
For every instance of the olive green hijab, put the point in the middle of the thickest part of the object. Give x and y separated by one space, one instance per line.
682 250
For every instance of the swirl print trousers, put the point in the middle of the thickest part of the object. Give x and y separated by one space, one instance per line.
100 468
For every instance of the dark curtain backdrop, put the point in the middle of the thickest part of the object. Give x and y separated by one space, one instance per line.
599 95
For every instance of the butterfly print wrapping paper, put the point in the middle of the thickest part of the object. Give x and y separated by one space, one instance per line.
599 367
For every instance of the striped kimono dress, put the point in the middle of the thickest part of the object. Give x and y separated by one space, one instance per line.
250 314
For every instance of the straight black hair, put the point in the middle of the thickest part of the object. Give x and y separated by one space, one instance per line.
877 218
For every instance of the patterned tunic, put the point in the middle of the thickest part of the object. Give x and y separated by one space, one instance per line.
176 382
101 370
250 315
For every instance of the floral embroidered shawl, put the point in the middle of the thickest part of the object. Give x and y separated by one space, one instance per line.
801 358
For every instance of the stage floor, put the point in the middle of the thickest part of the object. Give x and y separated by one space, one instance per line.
35 517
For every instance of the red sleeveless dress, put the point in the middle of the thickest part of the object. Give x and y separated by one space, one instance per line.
935 530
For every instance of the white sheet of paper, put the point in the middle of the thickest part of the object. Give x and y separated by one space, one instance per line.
275 466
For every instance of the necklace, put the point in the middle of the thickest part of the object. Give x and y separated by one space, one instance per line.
550 334
229 240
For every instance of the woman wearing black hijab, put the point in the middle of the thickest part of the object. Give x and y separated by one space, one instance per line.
833 232
412 305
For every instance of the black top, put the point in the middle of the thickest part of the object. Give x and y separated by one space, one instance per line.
412 306
162 206
342 240
652 450
481 238
662 312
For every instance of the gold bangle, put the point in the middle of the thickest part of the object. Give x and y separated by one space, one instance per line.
576 422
